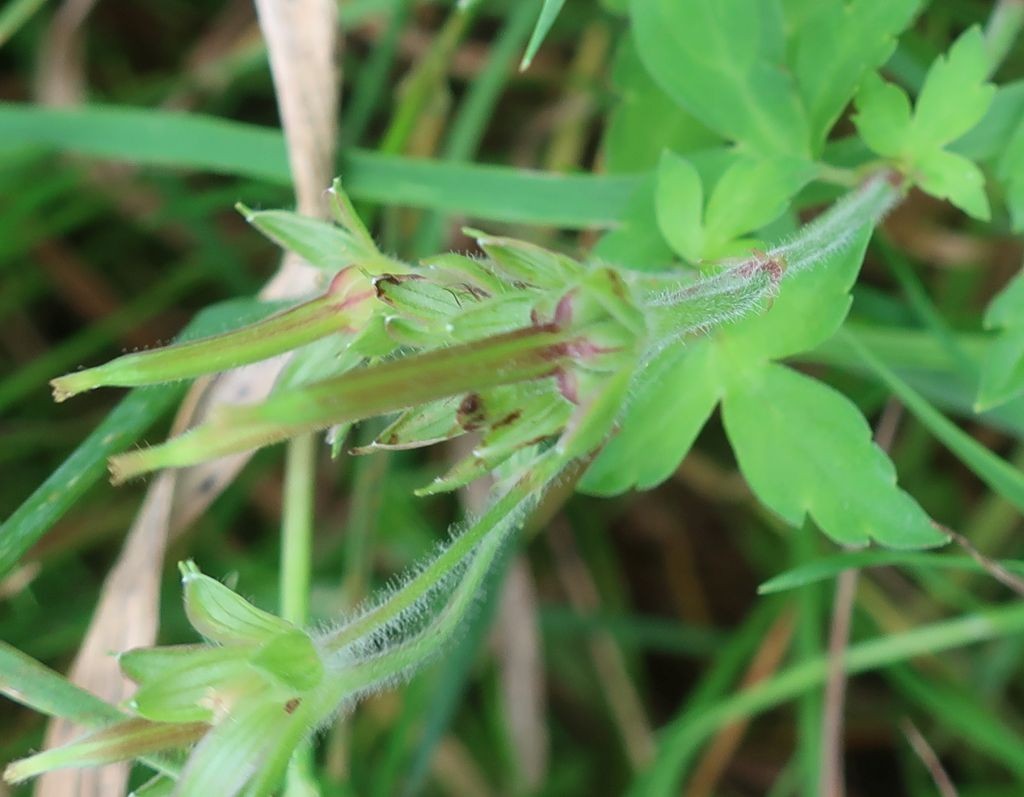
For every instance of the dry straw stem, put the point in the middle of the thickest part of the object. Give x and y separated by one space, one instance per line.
301 37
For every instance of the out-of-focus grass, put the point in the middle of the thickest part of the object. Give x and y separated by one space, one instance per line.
92 262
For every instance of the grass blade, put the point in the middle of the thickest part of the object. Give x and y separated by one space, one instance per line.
994 471
204 143
831 566
547 17
28 682
865 656
87 465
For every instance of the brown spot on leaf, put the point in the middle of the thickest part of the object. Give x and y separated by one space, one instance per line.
512 417
471 412
380 284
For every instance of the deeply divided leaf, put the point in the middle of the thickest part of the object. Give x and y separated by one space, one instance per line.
806 449
723 60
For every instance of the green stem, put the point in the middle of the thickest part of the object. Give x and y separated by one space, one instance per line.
16 14
296 572
340 307
688 734
297 529
418 87
504 516
1002 29
477 109
373 76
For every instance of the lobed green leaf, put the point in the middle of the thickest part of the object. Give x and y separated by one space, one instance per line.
836 44
723 60
790 434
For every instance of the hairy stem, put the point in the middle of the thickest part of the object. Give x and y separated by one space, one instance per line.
345 304
504 516
518 356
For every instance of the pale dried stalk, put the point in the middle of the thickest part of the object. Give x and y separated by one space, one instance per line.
723 747
623 700
521 668
832 783
924 751
301 38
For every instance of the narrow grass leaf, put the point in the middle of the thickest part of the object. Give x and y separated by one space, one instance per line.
830 566
204 143
548 15
994 471
24 680
962 711
695 727
122 427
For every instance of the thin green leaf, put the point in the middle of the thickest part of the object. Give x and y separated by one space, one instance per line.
122 427
26 681
690 731
15 14
830 566
548 14
994 471
192 141
960 709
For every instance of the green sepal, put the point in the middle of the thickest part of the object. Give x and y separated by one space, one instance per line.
121 742
455 270
223 616
606 287
593 421
291 659
493 316
418 427
422 335
234 751
199 686
415 297
526 262
146 664
513 424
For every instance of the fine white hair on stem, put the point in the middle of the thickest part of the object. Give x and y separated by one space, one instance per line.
699 306
837 227
394 617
